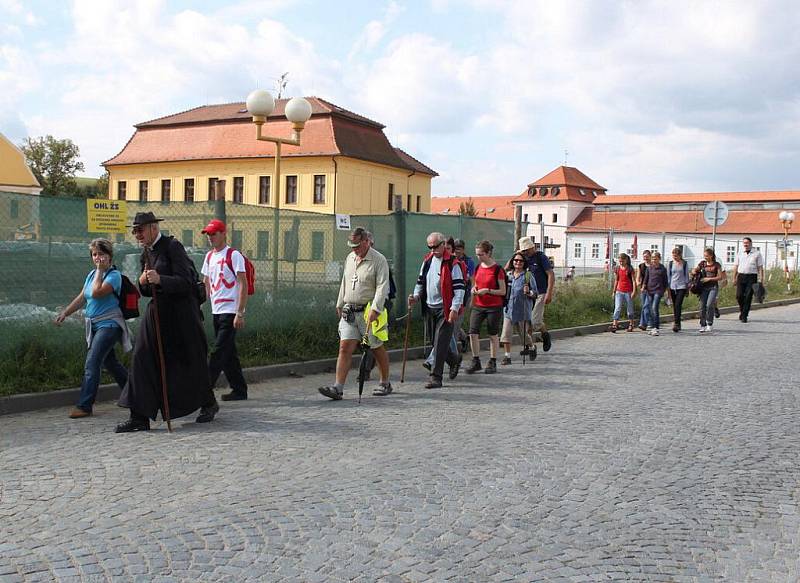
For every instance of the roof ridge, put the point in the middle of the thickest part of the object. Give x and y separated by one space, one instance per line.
122 150
345 110
184 111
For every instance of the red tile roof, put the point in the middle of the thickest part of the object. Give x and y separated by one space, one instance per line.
501 205
571 184
760 196
225 131
237 111
739 221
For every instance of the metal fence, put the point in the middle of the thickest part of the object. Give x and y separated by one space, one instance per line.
44 254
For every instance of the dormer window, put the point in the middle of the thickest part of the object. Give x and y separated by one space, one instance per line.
583 192
543 191
531 191
490 210
594 192
554 191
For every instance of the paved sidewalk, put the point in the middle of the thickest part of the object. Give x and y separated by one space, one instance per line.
613 457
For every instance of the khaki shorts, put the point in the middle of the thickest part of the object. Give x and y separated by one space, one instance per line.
356 330
509 329
537 313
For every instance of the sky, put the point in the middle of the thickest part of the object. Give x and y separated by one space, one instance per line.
642 96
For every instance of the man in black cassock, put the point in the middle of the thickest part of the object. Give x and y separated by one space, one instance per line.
167 272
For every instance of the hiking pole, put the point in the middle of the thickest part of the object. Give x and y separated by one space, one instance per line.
159 344
524 341
405 347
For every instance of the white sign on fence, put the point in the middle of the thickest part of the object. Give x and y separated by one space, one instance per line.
343 222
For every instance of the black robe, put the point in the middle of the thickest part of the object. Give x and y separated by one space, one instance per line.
182 336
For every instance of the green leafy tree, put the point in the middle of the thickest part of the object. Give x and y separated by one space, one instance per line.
467 208
54 163
102 185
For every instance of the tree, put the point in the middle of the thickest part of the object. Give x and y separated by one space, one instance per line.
102 185
467 208
54 163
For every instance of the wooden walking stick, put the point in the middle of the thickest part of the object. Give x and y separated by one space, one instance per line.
157 323
405 347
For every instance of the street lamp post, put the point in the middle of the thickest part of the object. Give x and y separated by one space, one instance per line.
786 218
260 104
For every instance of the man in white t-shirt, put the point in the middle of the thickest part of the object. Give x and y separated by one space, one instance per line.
748 269
226 284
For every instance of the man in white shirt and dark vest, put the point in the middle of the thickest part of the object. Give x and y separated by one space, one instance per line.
747 270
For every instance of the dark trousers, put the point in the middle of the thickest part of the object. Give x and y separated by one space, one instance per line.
744 292
678 296
224 356
441 331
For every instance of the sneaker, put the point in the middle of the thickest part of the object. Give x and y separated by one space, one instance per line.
654 332
382 390
491 367
649 328
78 413
234 396
547 341
427 366
434 383
455 367
708 330
207 413
475 366
331 392
506 360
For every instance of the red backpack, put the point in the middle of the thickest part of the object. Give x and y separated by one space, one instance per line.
249 269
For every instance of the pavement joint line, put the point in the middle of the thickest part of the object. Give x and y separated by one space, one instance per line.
26 402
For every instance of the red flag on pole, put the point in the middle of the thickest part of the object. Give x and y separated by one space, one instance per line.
635 247
608 245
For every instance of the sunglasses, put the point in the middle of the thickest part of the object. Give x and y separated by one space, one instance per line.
435 246
519 261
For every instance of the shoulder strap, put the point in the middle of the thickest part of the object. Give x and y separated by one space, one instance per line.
208 257
670 269
229 259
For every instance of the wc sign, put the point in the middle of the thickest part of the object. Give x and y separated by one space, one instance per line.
106 216
343 222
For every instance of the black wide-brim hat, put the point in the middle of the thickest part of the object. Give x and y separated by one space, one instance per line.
144 219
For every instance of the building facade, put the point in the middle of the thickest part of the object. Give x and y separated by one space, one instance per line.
345 164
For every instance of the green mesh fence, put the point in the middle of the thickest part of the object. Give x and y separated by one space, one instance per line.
45 260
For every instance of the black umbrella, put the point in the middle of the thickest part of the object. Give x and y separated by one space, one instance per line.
367 360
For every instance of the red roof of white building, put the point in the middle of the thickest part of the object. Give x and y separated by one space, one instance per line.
563 183
493 207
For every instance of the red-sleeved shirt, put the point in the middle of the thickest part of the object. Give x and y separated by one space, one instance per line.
487 277
625 283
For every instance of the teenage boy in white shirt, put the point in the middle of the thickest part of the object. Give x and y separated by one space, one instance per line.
227 290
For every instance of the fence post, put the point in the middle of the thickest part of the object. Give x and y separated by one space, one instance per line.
399 263
219 201
517 225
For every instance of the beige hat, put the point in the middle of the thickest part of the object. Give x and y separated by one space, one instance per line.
526 243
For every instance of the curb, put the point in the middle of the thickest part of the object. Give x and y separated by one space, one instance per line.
110 392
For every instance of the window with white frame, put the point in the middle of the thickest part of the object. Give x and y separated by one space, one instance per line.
730 253
577 252
595 250
654 247
616 249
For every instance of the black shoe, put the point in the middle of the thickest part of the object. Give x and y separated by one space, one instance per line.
331 392
383 390
491 368
434 383
547 342
507 360
529 351
207 413
133 424
455 367
475 366
427 366
234 396
716 312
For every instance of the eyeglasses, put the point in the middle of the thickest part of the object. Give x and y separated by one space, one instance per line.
439 244
138 230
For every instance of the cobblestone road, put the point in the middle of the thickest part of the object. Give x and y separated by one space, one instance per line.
614 457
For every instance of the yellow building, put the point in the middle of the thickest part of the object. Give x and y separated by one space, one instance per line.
345 164
15 176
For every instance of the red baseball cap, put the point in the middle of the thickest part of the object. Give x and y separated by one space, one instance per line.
214 226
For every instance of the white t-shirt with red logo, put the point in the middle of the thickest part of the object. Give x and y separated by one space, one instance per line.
223 283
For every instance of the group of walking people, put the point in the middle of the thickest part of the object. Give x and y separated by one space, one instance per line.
171 370
505 298
673 281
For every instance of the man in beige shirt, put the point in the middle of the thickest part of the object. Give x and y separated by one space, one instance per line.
365 280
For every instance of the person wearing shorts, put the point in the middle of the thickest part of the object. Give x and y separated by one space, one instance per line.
365 286
488 293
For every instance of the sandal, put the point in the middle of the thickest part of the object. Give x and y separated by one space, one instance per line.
613 328
631 327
